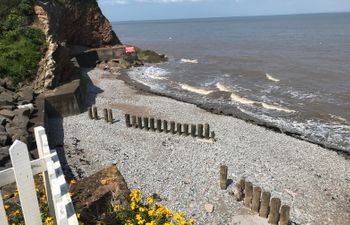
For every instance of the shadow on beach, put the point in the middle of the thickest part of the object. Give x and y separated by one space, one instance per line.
55 128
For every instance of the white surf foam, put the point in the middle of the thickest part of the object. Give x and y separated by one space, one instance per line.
222 87
268 76
194 61
195 89
246 101
339 118
155 73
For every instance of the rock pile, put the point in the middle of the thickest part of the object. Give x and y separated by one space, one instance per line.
16 109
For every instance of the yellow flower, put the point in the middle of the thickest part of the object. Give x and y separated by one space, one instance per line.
168 223
48 219
72 182
191 221
17 212
133 205
6 197
151 223
78 215
135 196
179 216
15 193
141 209
151 212
183 223
6 206
117 208
150 201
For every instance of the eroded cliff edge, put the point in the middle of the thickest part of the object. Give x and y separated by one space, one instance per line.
68 25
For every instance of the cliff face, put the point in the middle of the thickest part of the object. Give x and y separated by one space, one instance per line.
84 24
68 23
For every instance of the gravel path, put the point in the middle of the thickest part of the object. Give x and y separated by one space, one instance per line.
183 171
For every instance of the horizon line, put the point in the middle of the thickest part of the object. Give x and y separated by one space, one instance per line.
222 17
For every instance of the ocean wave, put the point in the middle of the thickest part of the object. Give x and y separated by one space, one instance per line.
155 73
246 101
193 61
268 76
222 87
338 118
195 89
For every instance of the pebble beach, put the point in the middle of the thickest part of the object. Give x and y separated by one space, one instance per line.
184 171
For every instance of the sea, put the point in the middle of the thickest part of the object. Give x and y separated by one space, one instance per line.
290 73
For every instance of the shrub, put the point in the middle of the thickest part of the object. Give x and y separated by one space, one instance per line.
20 45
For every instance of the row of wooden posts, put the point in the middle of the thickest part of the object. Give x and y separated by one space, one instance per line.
107 114
152 124
257 200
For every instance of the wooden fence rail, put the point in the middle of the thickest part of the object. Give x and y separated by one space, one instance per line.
261 202
57 190
200 130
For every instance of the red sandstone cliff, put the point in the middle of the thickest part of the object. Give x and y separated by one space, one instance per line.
68 23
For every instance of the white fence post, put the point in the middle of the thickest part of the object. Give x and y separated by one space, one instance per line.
25 183
3 217
38 132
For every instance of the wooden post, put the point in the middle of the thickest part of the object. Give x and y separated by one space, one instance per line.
145 123
275 205
90 113
151 124
133 121
110 116
139 122
172 127
223 177
159 125
193 130
200 130
105 115
212 135
248 190
264 206
239 189
206 131
179 128
165 126
127 120
186 132
94 113
284 215
256 199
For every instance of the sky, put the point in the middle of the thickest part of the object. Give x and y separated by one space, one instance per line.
126 10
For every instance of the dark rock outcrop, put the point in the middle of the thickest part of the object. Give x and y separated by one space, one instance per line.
15 114
95 196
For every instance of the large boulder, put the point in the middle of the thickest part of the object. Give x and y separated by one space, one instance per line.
149 56
95 196
26 94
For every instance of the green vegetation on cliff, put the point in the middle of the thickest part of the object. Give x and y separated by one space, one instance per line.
21 47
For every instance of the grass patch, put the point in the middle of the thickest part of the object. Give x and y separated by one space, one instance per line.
21 47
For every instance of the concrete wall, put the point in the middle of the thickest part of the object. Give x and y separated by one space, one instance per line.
65 100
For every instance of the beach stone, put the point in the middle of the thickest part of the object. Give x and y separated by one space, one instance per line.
4 138
7 113
3 120
26 94
96 195
209 207
4 156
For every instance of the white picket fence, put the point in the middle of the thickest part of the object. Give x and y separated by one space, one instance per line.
57 190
